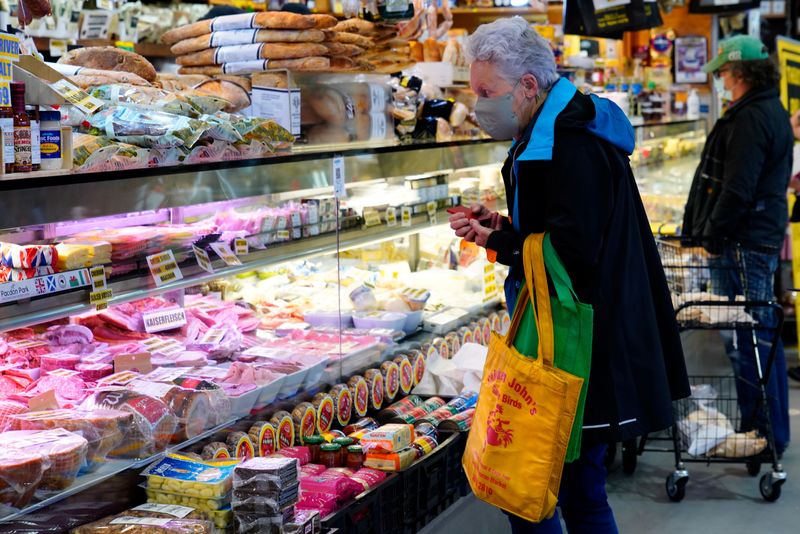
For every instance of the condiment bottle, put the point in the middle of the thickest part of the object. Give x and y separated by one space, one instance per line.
22 129
50 137
36 154
314 444
355 457
7 129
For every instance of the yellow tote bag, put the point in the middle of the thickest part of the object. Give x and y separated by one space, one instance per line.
520 432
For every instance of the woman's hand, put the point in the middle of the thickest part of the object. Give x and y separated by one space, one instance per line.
461 223
481 233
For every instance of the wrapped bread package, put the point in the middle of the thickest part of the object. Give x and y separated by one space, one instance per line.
242 37
389 438
277 20
251 52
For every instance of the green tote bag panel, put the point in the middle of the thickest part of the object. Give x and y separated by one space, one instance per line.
572 326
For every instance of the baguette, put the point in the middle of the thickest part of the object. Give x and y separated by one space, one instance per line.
240 37
304 64
342 49
240 80
323 22
235 54
279 80
276 20
110 58
231 91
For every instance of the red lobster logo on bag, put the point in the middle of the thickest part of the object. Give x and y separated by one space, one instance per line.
495 433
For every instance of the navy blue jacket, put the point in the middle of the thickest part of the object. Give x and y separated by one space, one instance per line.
572 178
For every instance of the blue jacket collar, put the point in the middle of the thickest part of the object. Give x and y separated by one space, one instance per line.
610 124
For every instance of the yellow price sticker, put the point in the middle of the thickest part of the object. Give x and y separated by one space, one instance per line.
431 208
391 217
405 216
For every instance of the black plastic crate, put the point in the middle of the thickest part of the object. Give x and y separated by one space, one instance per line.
457 484
375 510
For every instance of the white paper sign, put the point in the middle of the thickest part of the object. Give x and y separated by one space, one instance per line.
224 251
337 165
169 319
164 268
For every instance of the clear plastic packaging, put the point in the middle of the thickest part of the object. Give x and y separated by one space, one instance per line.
203 504
184 476
146 128
153 422
104 430
65 453
129 524
20 474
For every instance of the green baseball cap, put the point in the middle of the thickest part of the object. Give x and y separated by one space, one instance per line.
738 48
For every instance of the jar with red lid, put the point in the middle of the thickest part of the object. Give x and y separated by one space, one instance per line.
330 455
355 457
314 444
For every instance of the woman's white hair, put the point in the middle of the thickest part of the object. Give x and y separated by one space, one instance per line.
515 49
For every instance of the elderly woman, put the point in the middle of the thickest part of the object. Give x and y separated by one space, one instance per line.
567 173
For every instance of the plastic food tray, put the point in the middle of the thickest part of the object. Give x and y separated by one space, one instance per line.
315 373
291 383
269 392
243 404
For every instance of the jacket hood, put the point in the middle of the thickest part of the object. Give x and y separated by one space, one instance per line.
571 109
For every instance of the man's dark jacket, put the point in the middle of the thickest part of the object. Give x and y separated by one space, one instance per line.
574 180
739 188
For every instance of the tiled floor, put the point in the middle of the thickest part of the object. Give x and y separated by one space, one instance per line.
720 499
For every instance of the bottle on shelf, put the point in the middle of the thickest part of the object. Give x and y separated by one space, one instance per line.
693 105
36 154
7 132
23 152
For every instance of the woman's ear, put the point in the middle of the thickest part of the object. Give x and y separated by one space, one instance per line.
529 85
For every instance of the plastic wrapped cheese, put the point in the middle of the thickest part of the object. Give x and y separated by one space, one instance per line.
392 437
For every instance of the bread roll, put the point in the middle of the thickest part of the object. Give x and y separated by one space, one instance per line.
234 93
234 54
277 20
109 58
360 26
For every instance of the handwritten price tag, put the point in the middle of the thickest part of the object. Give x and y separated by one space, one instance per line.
164 268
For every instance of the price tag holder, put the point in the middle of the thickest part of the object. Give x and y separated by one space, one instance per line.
138 363
44 402
77 97
489 283
58 47
430 207
161 320
339 190
405 216
371 218
96 24
101 293
203 259
224 251
164 268
391 217
241 247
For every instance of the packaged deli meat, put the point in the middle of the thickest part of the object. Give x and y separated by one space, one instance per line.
21 472
104 430
65 453
192 409
284 427
130 524
153 423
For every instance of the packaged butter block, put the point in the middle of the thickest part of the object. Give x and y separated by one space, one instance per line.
391 461
389 438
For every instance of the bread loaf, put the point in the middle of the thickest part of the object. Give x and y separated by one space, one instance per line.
303 64
233 92
322 22
95 78
110 58
234 54
342 49
351 38
239 37
277 20
360 26
278 80
430 50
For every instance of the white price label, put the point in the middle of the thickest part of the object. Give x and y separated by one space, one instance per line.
371 217
489 283
169 319
58 47
100 294
164 268
391 217
203 260
405 216
431 209
338 177
224 251
240 244
96 24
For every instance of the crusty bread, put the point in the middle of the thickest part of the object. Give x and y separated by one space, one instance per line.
303 64
212 40
218 56
351 38
277 20
109 58
234 93
278 80
343 49
360 26
322 22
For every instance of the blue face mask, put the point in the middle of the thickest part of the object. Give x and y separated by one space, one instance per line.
719 86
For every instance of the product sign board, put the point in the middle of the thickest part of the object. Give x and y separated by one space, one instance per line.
9 53
224 251
161 320
391 216
789 62
241 247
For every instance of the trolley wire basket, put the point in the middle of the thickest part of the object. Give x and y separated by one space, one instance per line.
709 291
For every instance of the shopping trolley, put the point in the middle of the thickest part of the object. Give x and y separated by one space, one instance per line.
708 294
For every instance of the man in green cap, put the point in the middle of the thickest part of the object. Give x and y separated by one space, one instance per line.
737 209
